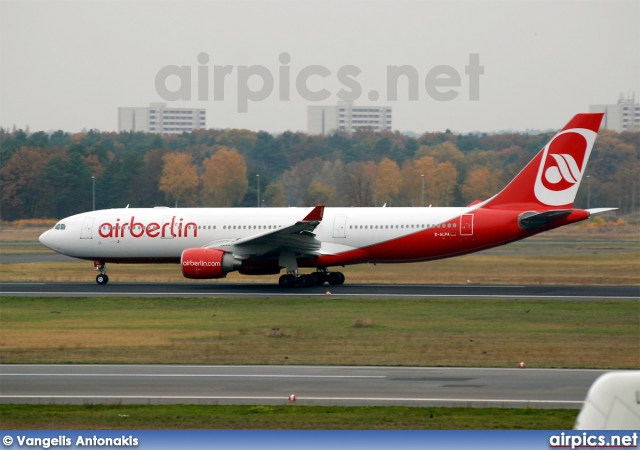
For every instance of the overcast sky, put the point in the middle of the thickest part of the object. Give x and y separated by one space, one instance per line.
69 65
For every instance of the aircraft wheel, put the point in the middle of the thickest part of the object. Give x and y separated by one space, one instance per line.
336 278
319 278
287 280
102 278
306 280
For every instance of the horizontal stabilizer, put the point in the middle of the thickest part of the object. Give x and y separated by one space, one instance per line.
532 220
593 211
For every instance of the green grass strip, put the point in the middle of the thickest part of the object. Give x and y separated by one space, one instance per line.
288 417
324 331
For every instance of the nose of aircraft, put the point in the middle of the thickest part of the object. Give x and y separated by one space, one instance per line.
47 240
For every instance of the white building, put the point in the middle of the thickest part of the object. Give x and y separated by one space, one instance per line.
623 116
158 118
347 118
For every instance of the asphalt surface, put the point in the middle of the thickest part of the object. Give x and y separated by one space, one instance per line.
272 385
215 289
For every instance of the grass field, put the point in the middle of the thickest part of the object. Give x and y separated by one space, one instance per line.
484 268
427 332
287 417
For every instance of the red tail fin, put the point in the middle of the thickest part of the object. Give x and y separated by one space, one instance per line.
551 180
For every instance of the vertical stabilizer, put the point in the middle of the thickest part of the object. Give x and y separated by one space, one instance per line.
552 178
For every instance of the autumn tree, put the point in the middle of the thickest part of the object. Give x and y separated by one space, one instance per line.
320 193
225 178
615 170
480 184
242 140
426 167
437 179
445 151
274 195
387 181
442 185
297 180
179 180
357 182
149 179
20 185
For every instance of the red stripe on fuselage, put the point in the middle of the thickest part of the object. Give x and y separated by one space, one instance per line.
492 228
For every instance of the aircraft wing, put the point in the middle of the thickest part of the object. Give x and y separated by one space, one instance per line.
297 237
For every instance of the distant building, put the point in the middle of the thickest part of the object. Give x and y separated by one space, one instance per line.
347 118
158 118
623 116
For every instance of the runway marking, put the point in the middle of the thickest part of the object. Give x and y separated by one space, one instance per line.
299 398
311 294
305 367
457 286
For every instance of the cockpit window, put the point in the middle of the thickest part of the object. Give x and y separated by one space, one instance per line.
59 226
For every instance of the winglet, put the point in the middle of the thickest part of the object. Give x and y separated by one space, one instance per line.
315 215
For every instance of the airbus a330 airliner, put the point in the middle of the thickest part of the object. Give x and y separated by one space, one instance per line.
210 242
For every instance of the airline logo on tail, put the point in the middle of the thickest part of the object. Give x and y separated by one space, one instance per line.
563 163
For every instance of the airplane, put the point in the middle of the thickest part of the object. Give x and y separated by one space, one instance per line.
209 243
612 403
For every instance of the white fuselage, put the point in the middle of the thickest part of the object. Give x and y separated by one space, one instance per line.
163 233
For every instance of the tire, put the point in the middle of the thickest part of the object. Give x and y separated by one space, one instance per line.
319 278
102 279
336 278
287 280
306 281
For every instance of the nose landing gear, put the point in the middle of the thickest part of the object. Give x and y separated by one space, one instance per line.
102 277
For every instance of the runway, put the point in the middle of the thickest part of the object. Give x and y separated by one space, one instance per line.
216 289
272 385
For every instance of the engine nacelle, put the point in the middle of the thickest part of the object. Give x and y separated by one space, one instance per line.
207 263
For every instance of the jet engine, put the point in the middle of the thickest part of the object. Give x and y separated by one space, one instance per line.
207 263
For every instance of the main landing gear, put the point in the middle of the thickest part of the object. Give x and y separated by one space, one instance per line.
102 277
312 279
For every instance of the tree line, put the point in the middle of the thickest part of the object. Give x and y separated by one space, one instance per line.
55 175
